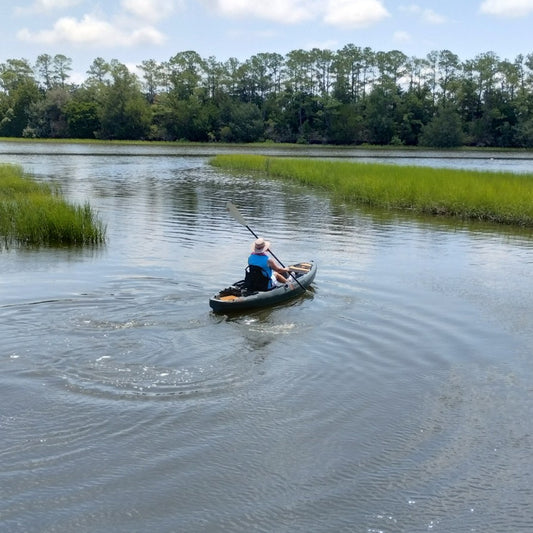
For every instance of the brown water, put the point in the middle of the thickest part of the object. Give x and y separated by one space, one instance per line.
395 397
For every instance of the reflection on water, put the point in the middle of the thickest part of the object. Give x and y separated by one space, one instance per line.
395 397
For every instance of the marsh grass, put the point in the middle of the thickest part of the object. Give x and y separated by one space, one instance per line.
497 197
36 214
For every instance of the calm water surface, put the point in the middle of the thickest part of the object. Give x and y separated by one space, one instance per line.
395 397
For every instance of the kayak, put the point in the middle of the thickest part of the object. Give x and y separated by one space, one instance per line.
237 297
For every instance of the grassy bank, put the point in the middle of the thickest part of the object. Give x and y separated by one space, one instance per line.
497 197
33 213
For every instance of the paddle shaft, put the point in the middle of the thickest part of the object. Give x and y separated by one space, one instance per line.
240 219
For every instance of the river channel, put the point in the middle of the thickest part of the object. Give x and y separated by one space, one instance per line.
396 396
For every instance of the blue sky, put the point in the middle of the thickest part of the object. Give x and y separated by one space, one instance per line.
135 30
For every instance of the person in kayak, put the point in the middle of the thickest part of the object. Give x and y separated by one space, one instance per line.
274 272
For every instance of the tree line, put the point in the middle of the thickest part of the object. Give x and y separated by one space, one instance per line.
352 96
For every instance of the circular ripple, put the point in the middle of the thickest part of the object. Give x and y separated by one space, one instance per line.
124 348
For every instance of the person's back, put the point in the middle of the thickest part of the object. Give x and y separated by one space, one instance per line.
259 258
259 273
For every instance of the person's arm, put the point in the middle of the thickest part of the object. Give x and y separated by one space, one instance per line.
274 266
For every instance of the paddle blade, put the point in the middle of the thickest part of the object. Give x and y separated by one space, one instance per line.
234 212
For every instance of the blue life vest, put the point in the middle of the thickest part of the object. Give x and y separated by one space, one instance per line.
261 260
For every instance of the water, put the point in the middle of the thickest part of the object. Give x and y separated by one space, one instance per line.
394 397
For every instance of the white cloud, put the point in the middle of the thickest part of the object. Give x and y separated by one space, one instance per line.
132 25
91 30
412 9
340 13
151 10
43 6
507 8
430 16
402 36
284 11
354 13
427 15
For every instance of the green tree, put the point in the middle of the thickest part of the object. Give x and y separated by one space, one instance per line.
323 70
444 129
449 71
379 116
99 73
154 78
46 117
415 109
19 92
241 122
62 66
299 72
524 133
43 66
189 119
392 67
184 72
124 113
354 68
347 125
82 115
15 72
213 82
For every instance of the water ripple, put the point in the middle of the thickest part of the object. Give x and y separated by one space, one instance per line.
153 354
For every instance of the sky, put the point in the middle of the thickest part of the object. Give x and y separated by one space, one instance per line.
132 31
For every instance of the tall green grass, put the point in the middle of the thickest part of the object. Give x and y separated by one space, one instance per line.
498 197
35 214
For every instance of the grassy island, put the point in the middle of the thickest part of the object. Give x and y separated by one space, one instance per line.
491 196
34 213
